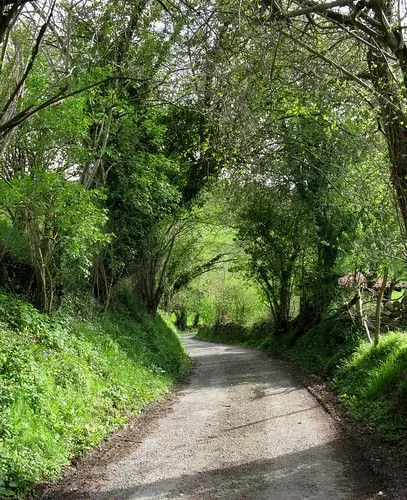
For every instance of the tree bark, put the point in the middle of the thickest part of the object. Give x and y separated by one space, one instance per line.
394 125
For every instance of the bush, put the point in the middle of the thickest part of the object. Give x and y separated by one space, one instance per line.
224 332
262 329
322 348
57 227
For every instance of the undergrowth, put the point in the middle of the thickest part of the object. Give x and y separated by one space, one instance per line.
326 346
66 383
372 384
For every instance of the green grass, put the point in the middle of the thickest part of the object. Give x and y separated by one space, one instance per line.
65 384
372 384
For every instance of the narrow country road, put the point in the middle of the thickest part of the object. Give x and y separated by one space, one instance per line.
242 429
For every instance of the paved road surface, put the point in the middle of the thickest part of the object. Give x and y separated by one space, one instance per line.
243 428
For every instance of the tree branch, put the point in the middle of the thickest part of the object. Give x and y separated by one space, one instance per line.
314 8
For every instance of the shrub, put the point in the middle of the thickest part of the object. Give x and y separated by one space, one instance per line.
59 225
321 349
262 329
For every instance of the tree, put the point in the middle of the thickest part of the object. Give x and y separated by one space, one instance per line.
25 28
374 30
182 250
274 232
62 225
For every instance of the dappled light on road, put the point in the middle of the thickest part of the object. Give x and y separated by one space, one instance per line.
243 428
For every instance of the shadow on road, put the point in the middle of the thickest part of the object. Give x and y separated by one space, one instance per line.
292 477
284 415
222 367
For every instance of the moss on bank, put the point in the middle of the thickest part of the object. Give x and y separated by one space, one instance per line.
66 383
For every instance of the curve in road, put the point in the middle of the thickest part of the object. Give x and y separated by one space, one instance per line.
243 428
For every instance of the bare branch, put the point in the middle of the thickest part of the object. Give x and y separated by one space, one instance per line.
343 70
314 8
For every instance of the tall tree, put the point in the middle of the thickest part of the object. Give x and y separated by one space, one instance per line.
373 31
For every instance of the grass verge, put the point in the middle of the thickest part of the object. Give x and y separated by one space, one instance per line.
65 383
372 384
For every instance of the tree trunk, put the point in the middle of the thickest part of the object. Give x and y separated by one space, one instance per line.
196 320
151 307
43 295
361 317
283 313
181 319
396 135
394 125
